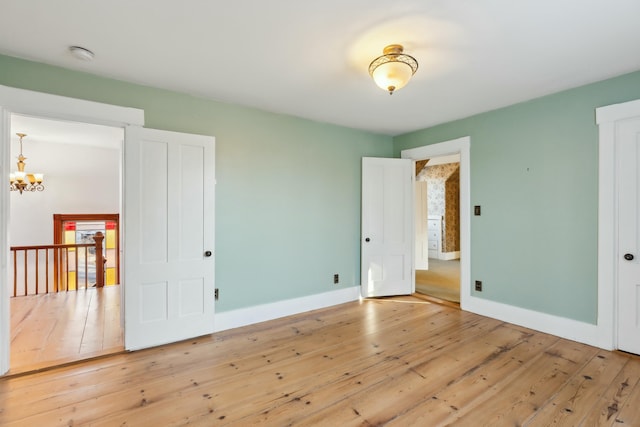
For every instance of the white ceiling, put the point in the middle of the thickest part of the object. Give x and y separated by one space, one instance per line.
60 148
47 131
310 58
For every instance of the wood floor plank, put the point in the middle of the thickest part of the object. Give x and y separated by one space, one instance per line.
469 390
376 362
629 411
523 394
112 336
92 332
242 401
254 360
571 404
166 363
57 328
418 381
336 377
616 395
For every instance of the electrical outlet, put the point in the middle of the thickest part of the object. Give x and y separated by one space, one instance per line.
217 294
476 210
479 285
336 279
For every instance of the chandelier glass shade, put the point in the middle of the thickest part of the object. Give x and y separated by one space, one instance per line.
20 180
393 69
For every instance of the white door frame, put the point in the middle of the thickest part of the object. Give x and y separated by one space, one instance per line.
457 146
20 101
606 118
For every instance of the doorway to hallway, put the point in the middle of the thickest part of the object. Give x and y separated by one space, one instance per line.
61 314
459 147
438 227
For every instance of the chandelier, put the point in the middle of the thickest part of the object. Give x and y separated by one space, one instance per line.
22 181
393 69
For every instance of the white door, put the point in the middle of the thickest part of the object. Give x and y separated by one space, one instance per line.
628 180
387 227
422 231
169 236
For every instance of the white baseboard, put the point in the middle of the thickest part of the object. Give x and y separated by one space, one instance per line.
261 313
448 256
574 330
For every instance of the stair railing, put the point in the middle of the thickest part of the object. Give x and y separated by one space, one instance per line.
57 268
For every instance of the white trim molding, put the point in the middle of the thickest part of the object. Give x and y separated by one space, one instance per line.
261 313
599 335
64 108
5 324
21 101
615 112
555 325
606 118
603 333
459 146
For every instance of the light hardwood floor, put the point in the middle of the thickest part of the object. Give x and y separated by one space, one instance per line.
56 328
441 280
392 362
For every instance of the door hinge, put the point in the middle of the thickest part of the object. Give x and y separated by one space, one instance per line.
217 293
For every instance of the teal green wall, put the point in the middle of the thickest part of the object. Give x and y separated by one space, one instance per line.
288 191
534 171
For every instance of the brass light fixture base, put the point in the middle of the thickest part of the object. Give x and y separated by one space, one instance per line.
392 49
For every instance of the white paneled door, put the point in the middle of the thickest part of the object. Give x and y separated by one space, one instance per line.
628 181
387 227
169 236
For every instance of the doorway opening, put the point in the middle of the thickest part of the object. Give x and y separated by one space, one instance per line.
438 228
62 313
461 148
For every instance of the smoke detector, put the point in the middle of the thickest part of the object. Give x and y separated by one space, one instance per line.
81 53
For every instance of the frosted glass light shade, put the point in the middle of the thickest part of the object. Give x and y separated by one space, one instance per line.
392 75
393 69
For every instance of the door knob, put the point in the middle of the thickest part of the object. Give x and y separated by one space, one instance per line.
367 240
628 257
207 253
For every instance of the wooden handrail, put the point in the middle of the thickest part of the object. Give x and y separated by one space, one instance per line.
60 269
79 245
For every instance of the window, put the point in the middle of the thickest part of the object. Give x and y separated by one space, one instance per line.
80 228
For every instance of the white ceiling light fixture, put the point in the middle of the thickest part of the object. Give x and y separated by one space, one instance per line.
81 53
393 70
